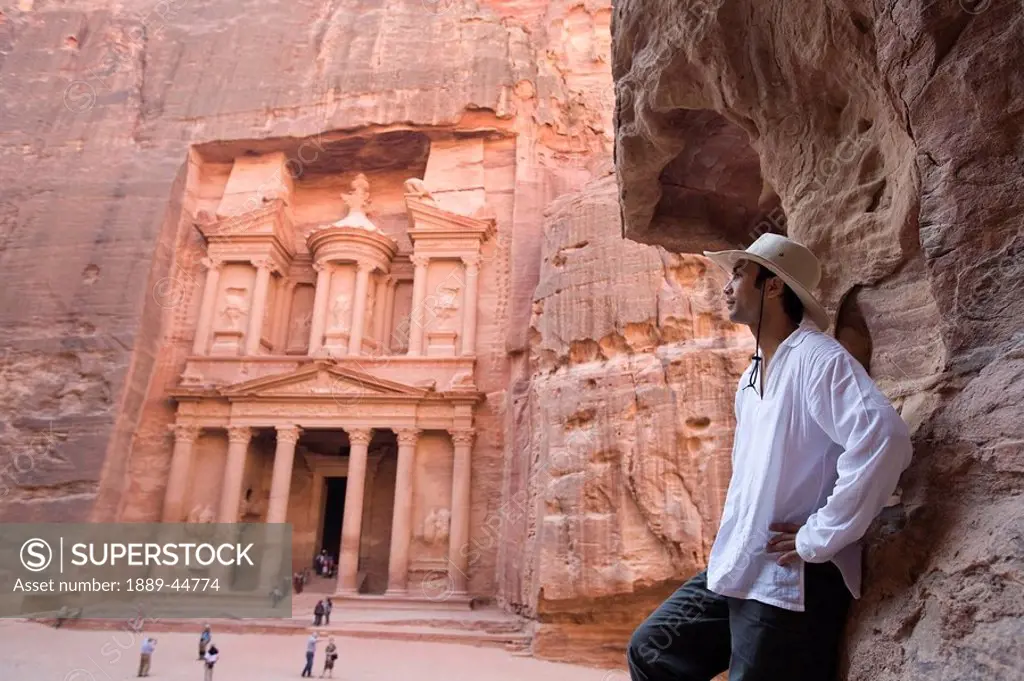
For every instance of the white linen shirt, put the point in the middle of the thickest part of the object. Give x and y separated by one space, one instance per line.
823 449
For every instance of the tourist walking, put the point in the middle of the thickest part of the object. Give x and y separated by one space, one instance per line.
318 613
331 654
818 451
204 641
146 655
328 606
310 653
210 659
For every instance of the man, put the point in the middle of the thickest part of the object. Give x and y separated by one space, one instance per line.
146 655
310 653
318 613
818 451
204 640
328 607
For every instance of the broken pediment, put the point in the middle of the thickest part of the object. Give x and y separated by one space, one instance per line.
426 216
267 221
322 379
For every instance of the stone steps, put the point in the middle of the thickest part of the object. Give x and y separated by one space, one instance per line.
514 641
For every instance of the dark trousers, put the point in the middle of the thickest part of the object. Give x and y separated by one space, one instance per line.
308 669
696 634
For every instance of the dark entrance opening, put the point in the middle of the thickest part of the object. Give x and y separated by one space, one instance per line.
334 510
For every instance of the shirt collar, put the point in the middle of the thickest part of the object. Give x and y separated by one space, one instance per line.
796 338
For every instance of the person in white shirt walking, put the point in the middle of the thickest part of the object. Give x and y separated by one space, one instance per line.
210 658
818 451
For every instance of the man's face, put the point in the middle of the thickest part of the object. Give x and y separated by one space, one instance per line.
742 296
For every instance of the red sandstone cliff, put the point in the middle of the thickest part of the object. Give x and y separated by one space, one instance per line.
890 136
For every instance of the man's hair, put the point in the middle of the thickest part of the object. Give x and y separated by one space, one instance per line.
791 303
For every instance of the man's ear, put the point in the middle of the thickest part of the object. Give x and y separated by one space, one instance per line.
775 287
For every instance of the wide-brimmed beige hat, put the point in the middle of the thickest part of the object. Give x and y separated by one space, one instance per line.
791 261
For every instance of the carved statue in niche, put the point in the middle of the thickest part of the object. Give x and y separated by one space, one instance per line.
445 305
435 526
401 333
251 509
462 380
370 304
301 326
341 312
235 309
358 202
200 513
416 188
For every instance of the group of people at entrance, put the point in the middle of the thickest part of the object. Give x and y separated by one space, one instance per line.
325 564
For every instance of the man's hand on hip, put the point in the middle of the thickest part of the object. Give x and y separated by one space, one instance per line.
784 542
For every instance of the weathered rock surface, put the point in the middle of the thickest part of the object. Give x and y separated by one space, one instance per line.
628 423
890 137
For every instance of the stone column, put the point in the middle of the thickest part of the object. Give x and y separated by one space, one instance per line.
469 304
234 471
417 316
458 536
271 572
380 303
389 313
185 436
355 339
256 309
401 524
352 522
281 478
323 290
201 343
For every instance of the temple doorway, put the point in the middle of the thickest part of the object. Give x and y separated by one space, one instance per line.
334 512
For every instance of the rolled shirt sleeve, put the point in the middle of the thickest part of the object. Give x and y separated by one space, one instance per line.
847 405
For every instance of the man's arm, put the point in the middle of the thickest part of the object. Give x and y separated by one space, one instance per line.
846 404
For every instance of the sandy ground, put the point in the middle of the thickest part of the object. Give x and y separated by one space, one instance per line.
31 652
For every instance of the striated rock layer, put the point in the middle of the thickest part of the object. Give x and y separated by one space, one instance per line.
628 423
887 138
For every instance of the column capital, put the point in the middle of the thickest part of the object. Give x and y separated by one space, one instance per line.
462 436
419 260
390 280
472 263
212 263
359 435
319 267
364 266
408 436
288 433
184 432
264 264
239 434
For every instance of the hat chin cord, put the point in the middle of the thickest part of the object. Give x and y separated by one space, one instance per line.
756 358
